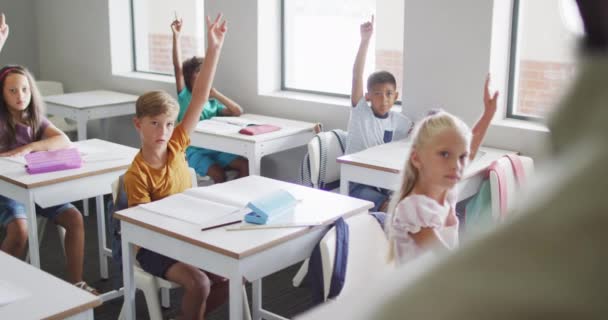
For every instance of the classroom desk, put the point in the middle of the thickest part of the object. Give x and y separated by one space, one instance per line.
89 105
45 297
382 166
292 135
252 254
104 162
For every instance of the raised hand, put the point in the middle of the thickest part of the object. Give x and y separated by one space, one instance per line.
367 29
489 100
3 30
176 26
216 31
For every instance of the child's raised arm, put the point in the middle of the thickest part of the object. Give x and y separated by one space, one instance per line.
481 126
3 30
176 28
200 91
232 109
367 29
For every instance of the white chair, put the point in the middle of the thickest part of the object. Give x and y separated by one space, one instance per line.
324 172
511 184
150 285
49 88
368 250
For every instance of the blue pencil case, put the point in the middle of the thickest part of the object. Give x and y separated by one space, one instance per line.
270 207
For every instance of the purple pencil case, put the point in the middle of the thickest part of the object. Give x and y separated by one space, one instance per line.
48 161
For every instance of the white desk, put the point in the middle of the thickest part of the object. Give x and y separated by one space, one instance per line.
382 166
252 254
105 163
89 105
292 135
46 297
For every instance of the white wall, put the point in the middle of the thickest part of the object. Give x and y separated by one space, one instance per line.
22 44
447 54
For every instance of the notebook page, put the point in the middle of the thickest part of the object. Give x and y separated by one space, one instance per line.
193 210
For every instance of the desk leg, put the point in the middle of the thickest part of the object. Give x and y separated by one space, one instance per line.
81 124
101 237
344 183
32 230
128 259
254 157
256 299
236 296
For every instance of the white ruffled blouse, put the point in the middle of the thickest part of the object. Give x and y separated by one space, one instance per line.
419 211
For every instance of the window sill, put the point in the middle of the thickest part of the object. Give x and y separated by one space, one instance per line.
146 76
521 125
315 98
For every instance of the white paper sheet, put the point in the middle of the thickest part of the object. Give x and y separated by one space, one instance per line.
216 127
193 210
10 293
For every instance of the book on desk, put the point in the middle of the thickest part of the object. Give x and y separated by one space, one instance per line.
235 125
209 210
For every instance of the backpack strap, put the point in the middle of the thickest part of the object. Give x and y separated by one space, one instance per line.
340 260
518 169
502 186
322 161
315 266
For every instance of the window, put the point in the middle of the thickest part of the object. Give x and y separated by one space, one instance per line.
152 36
543 55
321 38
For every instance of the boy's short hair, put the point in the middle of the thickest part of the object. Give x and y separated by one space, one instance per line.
154 103
380 77
190 67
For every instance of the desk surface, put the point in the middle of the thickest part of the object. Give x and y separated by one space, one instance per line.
325 205
288 127
46 297
99 157
90 99
391 157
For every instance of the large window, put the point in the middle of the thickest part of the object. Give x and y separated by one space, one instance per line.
543 55
152 34
321 38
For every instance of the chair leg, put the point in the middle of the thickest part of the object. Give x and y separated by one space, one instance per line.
61 232
165 297
246 309
299 277
148 286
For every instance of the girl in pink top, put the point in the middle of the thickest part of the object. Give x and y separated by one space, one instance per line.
423 211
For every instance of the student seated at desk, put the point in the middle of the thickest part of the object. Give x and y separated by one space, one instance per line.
424 210
160 170
375 125
24 129
205 162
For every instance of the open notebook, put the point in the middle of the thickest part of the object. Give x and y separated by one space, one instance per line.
300 216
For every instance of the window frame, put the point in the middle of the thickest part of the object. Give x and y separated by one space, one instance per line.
513 65
284 87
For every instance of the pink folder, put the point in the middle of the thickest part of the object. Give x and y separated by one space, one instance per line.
259 129
48 161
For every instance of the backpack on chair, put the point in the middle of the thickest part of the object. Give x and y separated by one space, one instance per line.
319 168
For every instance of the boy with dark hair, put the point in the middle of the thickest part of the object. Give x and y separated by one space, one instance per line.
376 124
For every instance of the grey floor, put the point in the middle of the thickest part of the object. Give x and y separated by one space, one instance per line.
279 295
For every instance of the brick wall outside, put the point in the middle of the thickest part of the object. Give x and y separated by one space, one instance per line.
540 85
160 46
391 61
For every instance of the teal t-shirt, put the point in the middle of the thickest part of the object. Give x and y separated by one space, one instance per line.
211 109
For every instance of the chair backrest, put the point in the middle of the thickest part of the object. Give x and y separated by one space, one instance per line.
49 88
368 250
320 166
507 176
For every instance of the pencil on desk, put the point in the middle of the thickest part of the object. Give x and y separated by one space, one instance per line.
220 225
